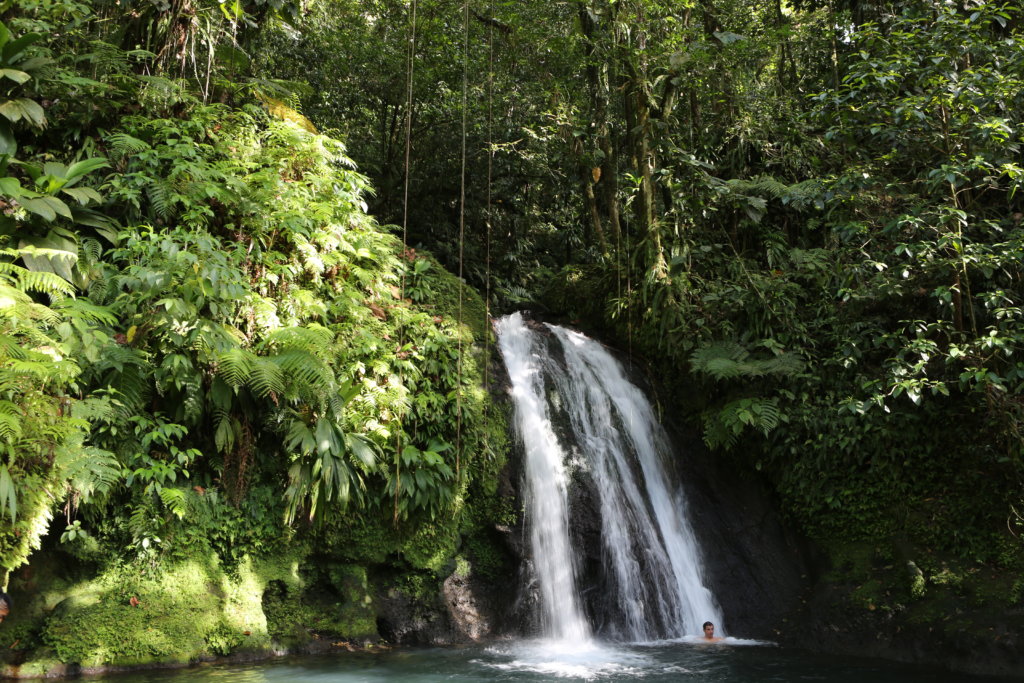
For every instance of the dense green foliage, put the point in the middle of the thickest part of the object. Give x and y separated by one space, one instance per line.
208 348
808 215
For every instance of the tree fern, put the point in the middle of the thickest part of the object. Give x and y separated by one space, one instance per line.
10 421
725 360
88 471
160 199
314 339
236 366
267 378
51 284
122 145
723 427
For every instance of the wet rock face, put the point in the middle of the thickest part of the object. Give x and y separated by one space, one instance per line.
466 610
404 619
756 568
470 608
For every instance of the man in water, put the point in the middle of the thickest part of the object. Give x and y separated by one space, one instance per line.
709 632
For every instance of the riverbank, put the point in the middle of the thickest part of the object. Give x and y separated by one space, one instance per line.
963 618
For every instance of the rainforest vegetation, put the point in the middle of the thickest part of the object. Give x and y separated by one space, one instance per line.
249 248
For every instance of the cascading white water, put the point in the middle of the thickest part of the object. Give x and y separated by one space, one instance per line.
547 485
652 561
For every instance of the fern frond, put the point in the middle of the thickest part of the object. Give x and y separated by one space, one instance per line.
267 378
89 471
162 90
174 499
10 421
193 403
107 57
160 198
10 347
33 368
122 145
306 372
83 309
761 186
723 360
51 284
719 359
131 382
314 339
90 250
93 409
236 366
722 427
805 194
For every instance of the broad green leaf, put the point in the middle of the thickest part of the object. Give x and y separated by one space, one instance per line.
83 195
81 168
47 207
56 169
364 449
23 108
13 49
728 37
8 145
15 75
11 187
50 184
50 254
8 494
105 226
40 208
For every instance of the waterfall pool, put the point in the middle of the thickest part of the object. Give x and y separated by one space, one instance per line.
733 661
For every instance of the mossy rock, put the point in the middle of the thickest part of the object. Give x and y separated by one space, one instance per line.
338 605
164 614
131 619
44 664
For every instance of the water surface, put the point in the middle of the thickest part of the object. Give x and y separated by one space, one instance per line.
534 661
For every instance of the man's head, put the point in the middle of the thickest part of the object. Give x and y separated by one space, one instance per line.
709 629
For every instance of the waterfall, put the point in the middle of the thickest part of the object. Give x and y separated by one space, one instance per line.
580 419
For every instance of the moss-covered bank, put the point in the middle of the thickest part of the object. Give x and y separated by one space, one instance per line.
357 582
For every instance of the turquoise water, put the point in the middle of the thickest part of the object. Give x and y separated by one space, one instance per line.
522 661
